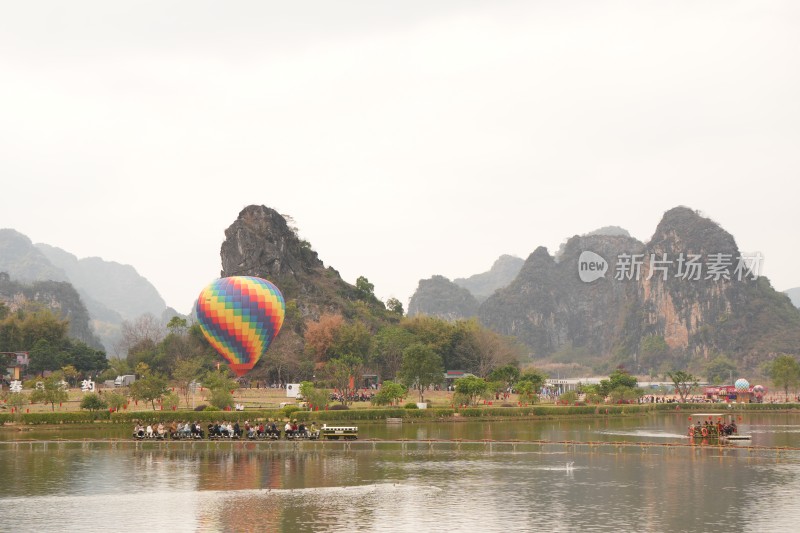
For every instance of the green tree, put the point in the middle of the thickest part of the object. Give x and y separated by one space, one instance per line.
720 370
569 397
592 394
389 344
313 396
507 374
17 400
625 394
171 400
150 354
52 392
221 386
533 376
352 339
684 382
93 402
43 356
344 372
221 398
214 380
117 366
437 334
390 393
621 378
395 306
70 374
527 391
471 388
115 400
85 359
177 325
142 369
177 346
366 290
185 373
21 330
421 368
150 388
618 379
785 373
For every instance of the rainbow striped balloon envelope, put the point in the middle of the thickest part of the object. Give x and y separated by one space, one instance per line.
240 316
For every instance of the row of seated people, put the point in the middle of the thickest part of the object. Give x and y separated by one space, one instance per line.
224 430
709 428
217 430
291 430
176 430
262 430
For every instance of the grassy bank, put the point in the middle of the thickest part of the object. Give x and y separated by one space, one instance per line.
376 414
353 415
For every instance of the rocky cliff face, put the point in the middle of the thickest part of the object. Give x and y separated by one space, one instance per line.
260 243
442 298
58 296
548 307
678 299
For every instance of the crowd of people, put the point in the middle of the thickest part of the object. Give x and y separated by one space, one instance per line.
175 430
356 396
710 429
225 430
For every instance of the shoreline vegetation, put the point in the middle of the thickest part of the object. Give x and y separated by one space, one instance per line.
484 413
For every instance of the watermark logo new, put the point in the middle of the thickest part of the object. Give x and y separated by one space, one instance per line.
591 266
717 267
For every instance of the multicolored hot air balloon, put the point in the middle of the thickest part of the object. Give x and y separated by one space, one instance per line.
240 316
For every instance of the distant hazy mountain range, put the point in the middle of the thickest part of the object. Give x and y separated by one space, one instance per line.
644 323
109 292
648 322
503 272
794 295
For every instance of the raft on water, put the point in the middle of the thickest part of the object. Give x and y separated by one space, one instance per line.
714 426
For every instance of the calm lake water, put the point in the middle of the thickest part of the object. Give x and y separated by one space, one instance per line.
416 486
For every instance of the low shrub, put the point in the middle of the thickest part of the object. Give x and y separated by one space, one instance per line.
288 410
411 405
64 418
338 407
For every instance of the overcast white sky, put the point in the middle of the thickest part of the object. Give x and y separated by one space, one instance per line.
406 138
